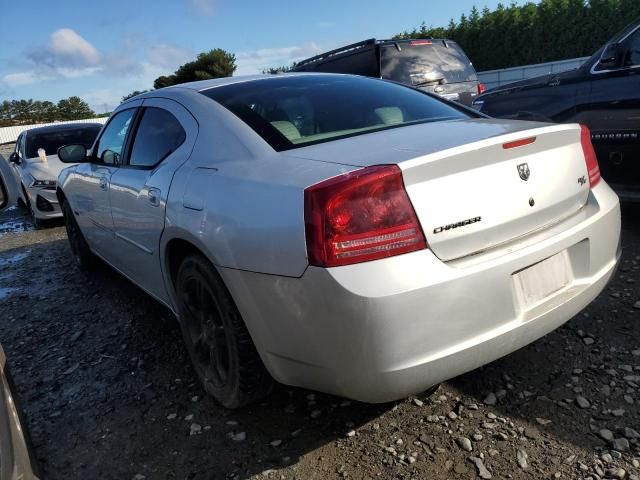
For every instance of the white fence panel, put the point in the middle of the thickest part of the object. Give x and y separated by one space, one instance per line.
497 78
10 134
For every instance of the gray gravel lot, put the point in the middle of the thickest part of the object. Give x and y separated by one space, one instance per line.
108 391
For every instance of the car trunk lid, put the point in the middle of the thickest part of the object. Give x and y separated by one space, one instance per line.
478 196
466 187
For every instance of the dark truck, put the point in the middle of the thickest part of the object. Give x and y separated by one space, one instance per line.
604 94
436 66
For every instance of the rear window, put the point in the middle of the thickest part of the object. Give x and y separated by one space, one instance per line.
52 141
426 62
292 111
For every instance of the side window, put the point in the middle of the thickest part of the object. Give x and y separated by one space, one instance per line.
159 134
633 54
111 142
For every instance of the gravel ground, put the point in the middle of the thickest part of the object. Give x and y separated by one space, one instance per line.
109 393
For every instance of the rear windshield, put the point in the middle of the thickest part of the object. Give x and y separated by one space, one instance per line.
426 62
292 111
52 141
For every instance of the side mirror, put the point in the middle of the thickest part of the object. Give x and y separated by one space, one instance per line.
609 57
14 158
74 153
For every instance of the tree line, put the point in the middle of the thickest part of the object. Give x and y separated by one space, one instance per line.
27 112
530 33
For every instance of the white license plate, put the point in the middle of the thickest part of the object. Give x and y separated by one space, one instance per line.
539 281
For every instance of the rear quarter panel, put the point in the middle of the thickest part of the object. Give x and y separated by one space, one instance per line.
238 200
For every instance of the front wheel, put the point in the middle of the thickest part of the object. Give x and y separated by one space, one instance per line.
221 350
79 247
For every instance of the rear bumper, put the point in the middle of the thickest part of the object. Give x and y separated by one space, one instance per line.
383 330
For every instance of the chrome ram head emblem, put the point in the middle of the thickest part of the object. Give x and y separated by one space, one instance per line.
523 171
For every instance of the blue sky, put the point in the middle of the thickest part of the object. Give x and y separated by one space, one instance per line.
103 50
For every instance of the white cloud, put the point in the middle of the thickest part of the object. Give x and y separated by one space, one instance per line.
66 50
255 61
19 79
202 7
69 55
66 44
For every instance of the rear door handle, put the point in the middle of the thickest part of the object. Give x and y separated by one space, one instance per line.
154 196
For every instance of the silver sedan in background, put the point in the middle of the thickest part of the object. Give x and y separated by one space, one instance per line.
340 233
36 165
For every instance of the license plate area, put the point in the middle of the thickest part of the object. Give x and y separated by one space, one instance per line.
537 283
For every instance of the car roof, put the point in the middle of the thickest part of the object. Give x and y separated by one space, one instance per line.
202 85
62 127
367 43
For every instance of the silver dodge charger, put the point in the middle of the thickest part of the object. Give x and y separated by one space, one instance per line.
339 233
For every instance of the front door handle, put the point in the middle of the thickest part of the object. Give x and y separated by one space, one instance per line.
103 183
154 196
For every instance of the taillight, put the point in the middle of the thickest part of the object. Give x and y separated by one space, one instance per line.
360 216
481 88
590 156
519 143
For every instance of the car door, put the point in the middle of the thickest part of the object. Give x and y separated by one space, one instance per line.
164 135
17 162
91 191
8 186
613 115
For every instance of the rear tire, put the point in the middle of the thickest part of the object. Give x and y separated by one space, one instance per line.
79 247
429 392
221 350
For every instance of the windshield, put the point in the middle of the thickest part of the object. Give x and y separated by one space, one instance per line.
424 62
299 110
52 141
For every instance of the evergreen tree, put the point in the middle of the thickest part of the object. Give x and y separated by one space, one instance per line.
74 108
215 63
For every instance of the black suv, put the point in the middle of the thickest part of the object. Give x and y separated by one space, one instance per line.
604 94
436 66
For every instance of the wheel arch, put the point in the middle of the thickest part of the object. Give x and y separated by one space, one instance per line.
176 250
176 245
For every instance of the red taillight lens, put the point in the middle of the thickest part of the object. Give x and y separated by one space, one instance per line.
481 88
360 216
590 156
